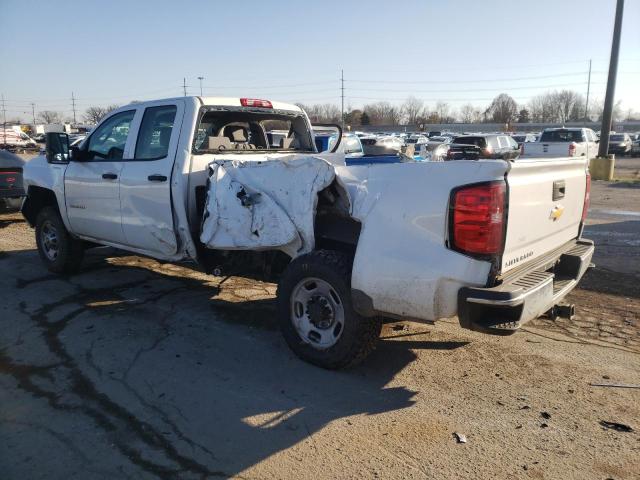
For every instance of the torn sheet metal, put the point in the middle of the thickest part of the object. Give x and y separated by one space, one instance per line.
262 205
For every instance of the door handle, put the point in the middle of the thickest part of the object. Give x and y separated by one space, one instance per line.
109 176
157 178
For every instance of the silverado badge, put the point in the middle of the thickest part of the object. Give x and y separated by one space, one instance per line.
556 212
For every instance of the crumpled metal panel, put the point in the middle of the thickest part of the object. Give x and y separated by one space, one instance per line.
263 205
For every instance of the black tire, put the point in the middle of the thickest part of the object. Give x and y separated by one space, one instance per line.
70 251
359 335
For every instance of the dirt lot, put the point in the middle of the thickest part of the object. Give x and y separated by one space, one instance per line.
138 369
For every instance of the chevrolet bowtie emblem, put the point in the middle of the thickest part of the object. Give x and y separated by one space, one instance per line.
556 212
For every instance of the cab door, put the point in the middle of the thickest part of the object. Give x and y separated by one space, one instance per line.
92 182
145 183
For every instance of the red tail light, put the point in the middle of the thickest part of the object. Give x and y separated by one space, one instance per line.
572 149
477 219
587 198
255 102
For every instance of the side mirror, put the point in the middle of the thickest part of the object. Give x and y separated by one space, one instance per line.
77 155
57 147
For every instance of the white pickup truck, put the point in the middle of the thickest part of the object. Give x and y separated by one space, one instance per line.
495 242
563 142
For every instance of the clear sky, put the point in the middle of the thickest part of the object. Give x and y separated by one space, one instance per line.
458 51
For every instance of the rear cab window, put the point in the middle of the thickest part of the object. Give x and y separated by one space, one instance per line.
562 136
222 129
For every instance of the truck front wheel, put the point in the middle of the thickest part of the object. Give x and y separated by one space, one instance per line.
58 250
316 314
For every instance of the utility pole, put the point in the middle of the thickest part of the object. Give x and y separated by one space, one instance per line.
73 105
200 78
33 112
184 86
586 104
4 121
607 114
342 98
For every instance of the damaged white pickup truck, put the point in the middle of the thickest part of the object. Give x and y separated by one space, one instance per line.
236 185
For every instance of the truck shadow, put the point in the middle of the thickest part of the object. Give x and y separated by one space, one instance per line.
617 258
180 381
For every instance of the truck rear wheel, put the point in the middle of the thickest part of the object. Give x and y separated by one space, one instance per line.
58 250
316 314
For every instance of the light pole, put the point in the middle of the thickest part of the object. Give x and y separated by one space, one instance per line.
200 78
607 114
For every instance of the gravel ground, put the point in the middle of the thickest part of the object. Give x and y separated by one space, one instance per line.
138 369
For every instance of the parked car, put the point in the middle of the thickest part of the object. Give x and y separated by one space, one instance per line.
376 145
416 139
434 133
635 148
12 139
620 144
193 178
431 151
488 145
565 142
11 189
441 139
350 146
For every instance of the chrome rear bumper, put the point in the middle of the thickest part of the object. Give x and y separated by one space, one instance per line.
503 309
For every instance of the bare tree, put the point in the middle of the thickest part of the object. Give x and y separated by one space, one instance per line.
598 108
412 109
49 116
330 113
376 112
95 114
569 105
442 110
393 115
503 109
467 113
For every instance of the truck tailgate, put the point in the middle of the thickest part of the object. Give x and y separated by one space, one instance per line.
546 199
546 149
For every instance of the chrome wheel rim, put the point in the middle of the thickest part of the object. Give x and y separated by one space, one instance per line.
317 313
49 241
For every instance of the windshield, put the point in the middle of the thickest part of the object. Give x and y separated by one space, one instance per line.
519 138
617 138
245 131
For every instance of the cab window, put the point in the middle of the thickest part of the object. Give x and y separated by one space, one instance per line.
110 138
155 132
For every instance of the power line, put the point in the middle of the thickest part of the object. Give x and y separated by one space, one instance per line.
472 81
494 89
